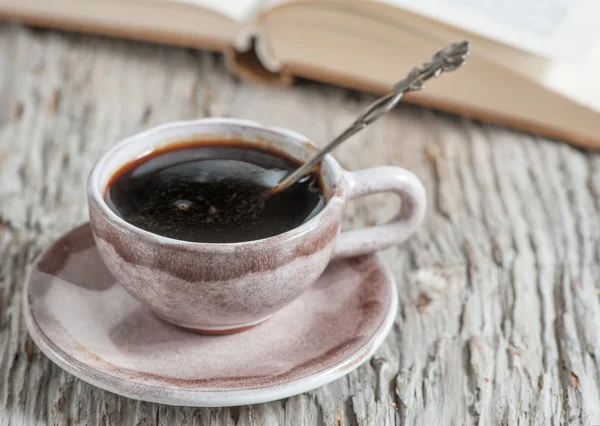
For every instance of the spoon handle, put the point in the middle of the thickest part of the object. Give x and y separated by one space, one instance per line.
445 60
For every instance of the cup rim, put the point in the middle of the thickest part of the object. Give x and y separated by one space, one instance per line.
95 191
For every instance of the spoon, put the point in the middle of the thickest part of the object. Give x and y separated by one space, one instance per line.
445 60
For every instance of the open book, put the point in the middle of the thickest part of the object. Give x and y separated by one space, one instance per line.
533 66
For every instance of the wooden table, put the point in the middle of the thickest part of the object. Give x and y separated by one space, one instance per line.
499 315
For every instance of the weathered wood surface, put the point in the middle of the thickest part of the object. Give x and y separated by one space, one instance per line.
499 316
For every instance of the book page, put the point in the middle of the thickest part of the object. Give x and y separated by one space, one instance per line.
555 29
238 10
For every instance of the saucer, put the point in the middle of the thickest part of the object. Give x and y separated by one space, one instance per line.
85 322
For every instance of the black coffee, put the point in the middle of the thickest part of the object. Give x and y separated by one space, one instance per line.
212 193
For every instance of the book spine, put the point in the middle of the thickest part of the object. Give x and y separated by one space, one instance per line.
250 59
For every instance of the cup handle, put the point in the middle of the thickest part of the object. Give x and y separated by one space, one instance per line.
412 210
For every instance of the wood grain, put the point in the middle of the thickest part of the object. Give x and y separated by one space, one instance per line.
499 316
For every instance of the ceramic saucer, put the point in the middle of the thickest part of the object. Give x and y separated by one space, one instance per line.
90 326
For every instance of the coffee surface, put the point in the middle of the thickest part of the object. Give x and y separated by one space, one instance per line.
213 193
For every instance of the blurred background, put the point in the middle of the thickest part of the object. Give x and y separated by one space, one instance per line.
533 65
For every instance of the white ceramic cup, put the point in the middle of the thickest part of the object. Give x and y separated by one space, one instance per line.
223 288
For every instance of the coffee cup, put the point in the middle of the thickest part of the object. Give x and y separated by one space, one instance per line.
220 288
